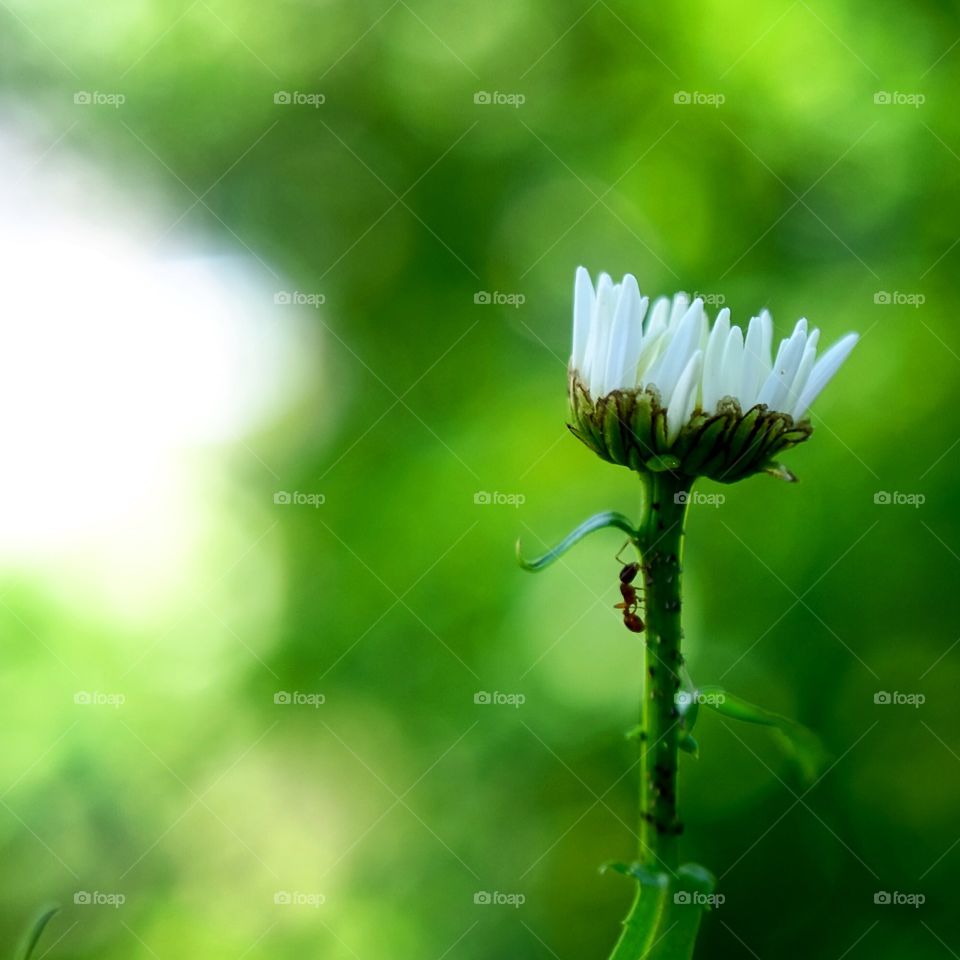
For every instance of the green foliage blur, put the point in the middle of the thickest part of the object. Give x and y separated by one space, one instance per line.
399 799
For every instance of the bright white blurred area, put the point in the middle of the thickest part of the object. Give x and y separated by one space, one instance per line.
130 372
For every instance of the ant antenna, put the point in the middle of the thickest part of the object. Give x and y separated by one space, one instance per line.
624 547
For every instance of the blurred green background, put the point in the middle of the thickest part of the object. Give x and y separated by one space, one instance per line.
156 602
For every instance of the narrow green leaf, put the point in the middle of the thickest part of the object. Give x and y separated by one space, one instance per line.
635 732
30 942
665 917
690 894
801 744
608 519
644 925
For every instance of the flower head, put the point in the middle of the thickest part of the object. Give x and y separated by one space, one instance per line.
656 387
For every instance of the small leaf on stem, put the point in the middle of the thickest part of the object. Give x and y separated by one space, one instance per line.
799 742
609 518
30 943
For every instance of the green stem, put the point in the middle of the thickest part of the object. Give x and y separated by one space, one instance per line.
660 542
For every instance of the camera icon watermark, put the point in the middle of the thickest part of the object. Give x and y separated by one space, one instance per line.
297 898
894 98
283 498
686 698
96 98
703 499
887 898
296 298
95 898
899 298
697 98
484 498
294 698
299 99
499 299
899 499
486 699
895 698
695 898
709 299
485 98
487 898
96 698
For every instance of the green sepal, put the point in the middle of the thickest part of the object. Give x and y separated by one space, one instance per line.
629 427
704 443
779 471
612 433
689 745
746 423
658 428
662 463
36 931
642 421
610 518
743 440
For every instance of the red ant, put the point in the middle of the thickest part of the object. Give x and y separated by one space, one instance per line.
631 619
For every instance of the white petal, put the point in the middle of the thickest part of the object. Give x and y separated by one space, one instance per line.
716 344
683 400
657 321
598 341
650 352
823 371
583 297
766 345
625 335
770 383
681 303
774 392
676 356
731 367
620 341
756 364
631 360
653 339
803 372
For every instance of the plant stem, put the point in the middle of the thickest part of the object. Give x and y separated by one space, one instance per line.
660 542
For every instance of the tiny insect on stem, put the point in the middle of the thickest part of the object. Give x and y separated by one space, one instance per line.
631 599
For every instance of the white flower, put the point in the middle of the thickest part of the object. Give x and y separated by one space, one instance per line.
621 342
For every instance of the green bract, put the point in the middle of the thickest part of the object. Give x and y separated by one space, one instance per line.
629 427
